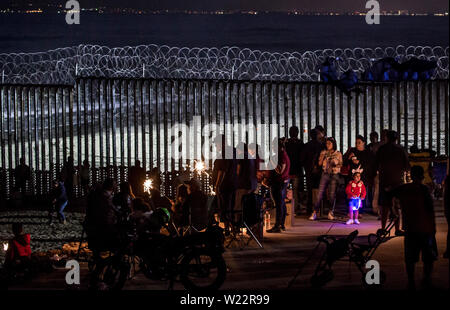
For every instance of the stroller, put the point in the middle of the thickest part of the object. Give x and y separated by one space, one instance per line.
347 248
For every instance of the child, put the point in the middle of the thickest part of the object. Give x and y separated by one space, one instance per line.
18 254
356 192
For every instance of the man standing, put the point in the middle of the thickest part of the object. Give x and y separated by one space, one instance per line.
224 181
279 183
59 202
246 177
310 159
294 148
136 178
419 225
391 162
22 175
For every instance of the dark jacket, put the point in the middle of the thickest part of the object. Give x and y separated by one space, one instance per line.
60 194
294 149
391 162
196 204
366 160
310 156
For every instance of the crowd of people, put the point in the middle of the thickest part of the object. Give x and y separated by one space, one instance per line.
373 177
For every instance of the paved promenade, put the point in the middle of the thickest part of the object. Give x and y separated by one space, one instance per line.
274 266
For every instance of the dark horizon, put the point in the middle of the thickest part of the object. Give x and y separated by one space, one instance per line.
323 6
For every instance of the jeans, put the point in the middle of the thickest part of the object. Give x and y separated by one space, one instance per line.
330 182
278 192
60 210
312 182
297 189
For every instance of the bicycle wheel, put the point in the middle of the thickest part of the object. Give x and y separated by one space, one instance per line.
203 270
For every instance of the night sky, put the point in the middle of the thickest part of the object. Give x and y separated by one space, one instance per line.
416 6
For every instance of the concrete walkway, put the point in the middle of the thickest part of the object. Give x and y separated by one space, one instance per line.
274 266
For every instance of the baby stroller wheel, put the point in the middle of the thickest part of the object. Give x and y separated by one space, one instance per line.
374 286
321 278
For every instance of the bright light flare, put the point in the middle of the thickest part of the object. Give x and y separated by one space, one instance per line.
148 185
199 167
5 246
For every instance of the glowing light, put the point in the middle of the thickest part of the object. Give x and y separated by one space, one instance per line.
5 246
199 167
211 190
148 185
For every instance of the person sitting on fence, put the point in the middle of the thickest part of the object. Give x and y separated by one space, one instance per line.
356 193
18 254
59 202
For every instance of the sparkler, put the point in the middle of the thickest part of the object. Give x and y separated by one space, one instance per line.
200 168
148 185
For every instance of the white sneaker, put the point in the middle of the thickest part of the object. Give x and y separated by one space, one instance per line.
349 222
313 217
357 222
330 215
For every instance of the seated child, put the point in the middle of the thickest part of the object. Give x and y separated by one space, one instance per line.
356 192
18 254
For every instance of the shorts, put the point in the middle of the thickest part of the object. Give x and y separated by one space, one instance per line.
415 243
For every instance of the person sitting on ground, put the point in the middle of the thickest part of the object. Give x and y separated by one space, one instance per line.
419 226
356 193
18 255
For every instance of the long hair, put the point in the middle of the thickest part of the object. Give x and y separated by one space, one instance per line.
333 141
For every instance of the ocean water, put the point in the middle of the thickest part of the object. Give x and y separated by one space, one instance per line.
269 32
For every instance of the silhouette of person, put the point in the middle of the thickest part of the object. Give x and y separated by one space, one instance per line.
136 178
22 175
419 225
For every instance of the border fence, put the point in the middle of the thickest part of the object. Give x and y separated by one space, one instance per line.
113 122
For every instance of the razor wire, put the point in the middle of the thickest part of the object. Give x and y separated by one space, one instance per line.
64 65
